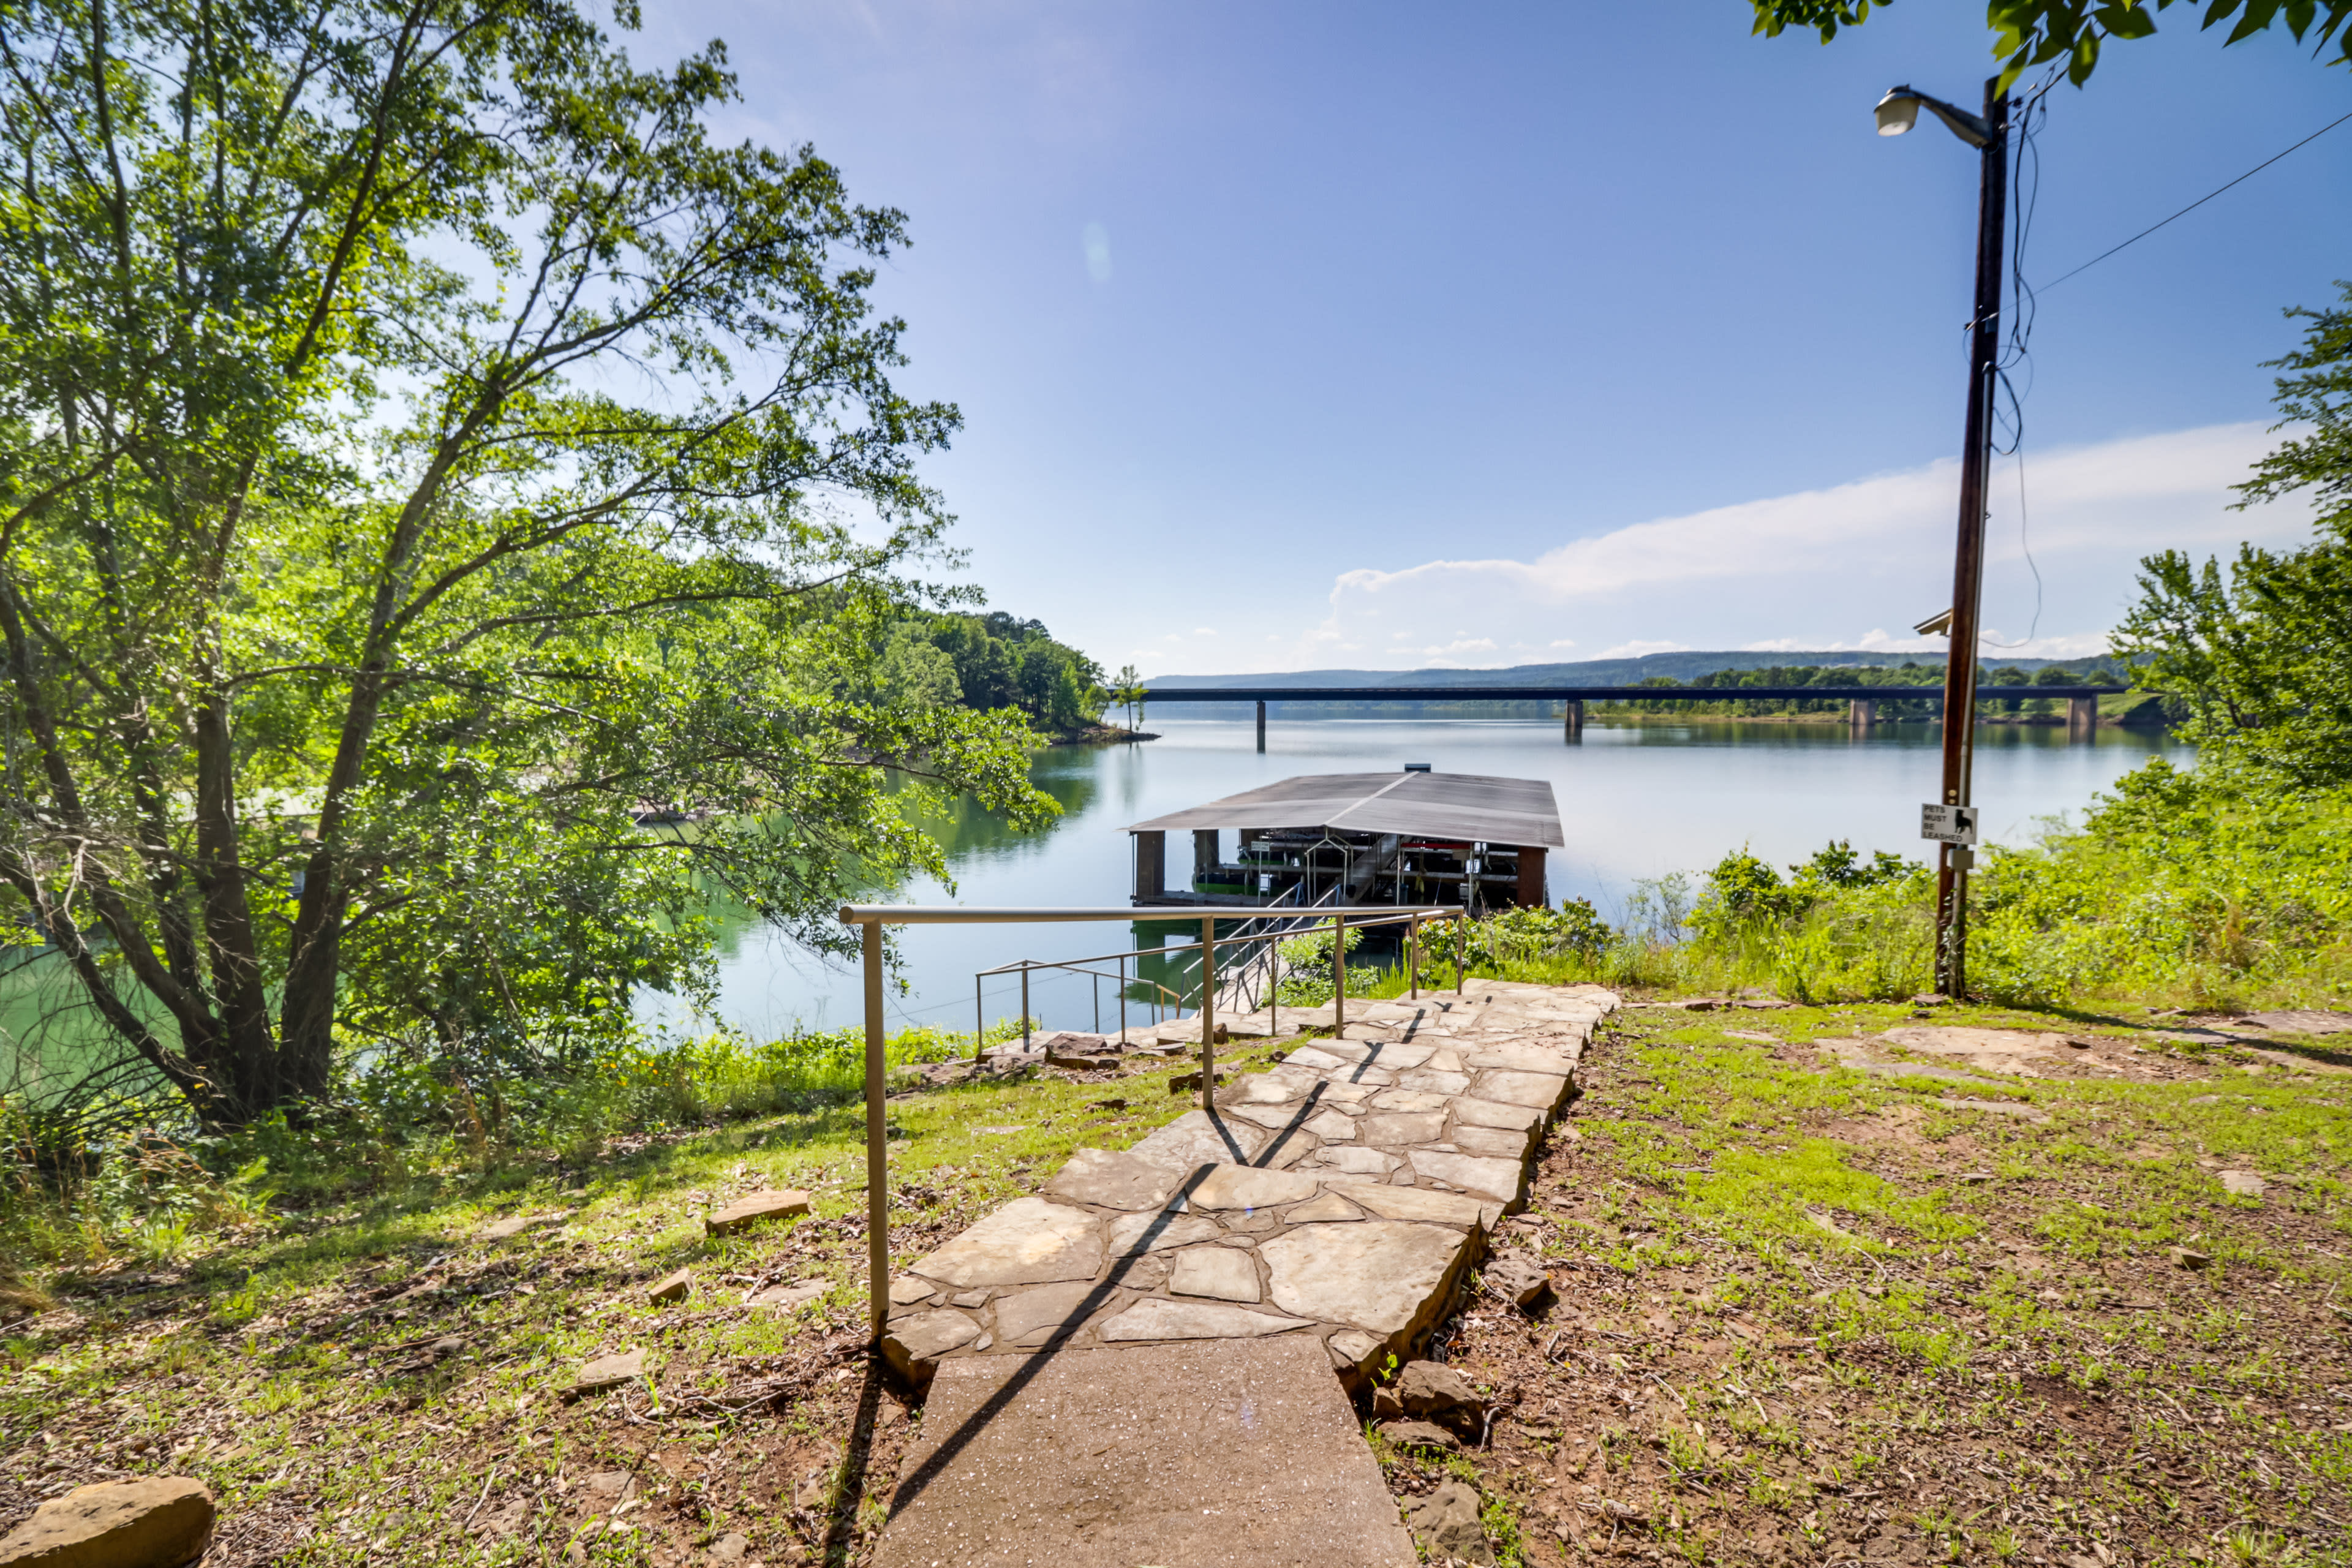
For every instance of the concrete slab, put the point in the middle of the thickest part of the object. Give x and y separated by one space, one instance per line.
1161 1318
1216 1453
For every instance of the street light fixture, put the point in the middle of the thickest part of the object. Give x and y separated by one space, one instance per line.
1897 112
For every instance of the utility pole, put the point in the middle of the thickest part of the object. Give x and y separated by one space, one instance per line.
1897 111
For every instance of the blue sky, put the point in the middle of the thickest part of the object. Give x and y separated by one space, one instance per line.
1304 334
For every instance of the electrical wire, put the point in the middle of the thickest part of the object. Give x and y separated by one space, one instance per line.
2200 201
2026 184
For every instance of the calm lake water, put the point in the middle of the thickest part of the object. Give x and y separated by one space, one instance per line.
1635 801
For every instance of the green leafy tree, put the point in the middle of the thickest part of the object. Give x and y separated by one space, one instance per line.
417 444
2260 656
2027 33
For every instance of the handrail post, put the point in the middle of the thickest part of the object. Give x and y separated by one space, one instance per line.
1024 1004
878 1151
1208 1011
979 1023
1412 957
1461 948
1122 1002
1340 969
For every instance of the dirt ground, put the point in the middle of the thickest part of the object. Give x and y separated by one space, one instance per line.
1814 1304
1807 1315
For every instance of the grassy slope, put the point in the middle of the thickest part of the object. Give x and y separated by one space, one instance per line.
292 1371
1996 1361
2005 1369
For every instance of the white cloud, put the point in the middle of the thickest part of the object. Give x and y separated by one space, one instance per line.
1808 571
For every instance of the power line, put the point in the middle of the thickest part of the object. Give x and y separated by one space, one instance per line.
2200 201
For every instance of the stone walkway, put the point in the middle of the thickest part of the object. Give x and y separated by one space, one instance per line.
1338 1201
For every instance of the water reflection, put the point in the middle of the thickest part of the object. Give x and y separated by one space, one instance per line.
1636 801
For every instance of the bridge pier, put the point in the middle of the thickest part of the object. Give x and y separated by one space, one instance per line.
1571 723
2081 716
1261 724
1860 713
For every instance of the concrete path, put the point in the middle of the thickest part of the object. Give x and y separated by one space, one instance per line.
1148 1311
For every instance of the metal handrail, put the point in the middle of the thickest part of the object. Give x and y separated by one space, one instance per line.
1175 999
871 918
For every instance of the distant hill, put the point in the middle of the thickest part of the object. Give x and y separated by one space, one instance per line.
1684 667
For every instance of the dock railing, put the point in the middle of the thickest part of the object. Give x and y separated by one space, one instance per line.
871 918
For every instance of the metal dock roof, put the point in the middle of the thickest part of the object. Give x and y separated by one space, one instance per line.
1421 804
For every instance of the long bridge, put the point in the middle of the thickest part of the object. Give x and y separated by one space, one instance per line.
2081 701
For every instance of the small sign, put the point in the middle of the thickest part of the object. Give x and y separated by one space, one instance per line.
1949 824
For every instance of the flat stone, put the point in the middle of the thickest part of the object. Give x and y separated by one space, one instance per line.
1421 1434
1544 1091
1195 1139
1353 1351
1420 1203
1409 1100
2185 1257
1432 1389
729 1548
1496 1142
1219 1273
1381 1276
1355 1161
1111 1180
609 1372
906 1290
1240 1451
1347 1094
1317 1059
1332 1127
759 1207
1142 1233
1029 1241
1519 1056
1279 1087
784 1297
1248 1187
507 1230
671 1287
1473 1112
1389 1056
1503 1179
1324 1210
2300 1021
1273 1117
2241 1184
915 1343
1516 1278
155 1521
1051 1311
1157 1318
1447 1522
1432 1080
2018 1109
1394 1129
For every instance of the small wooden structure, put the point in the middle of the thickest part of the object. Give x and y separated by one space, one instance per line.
1411 838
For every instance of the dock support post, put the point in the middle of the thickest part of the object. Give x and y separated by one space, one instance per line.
877 1151
1261 724
2081 716
1861 712
1150 867
1529 894
1572 720
1208 1013
1339 970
